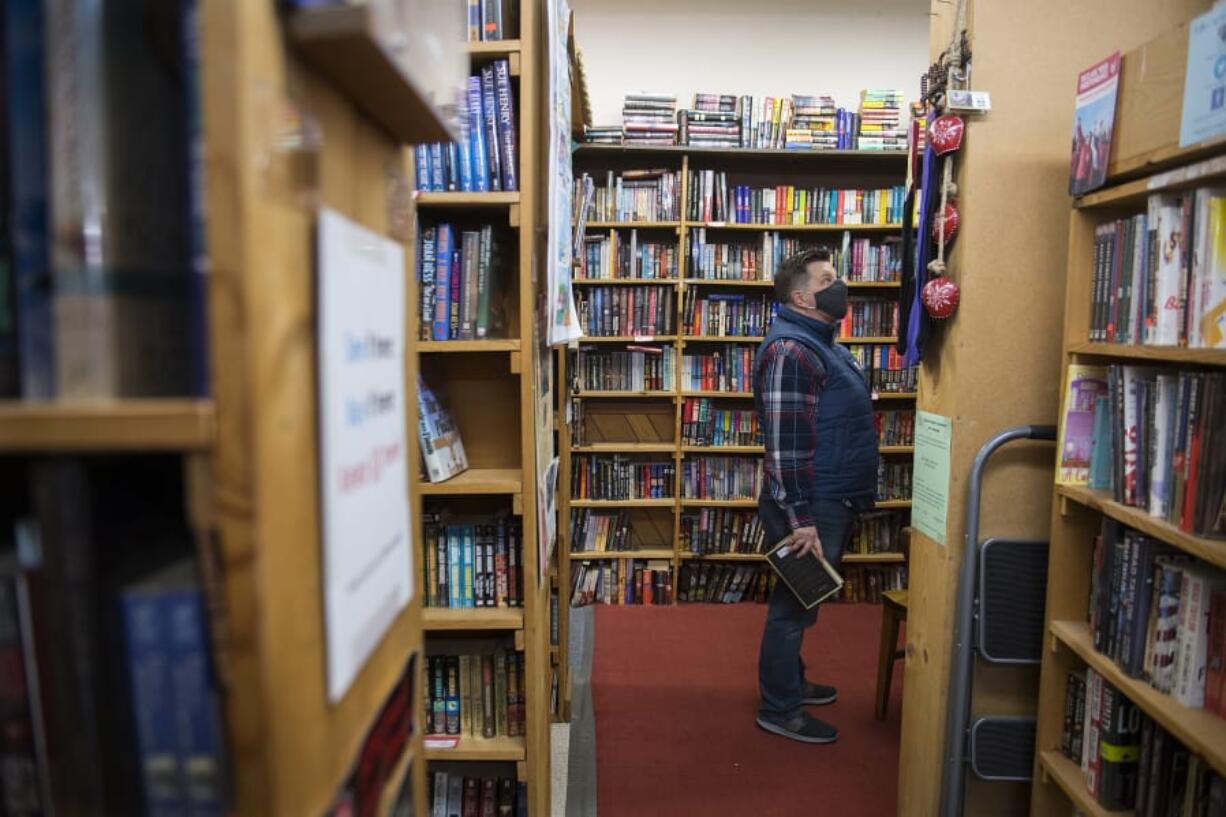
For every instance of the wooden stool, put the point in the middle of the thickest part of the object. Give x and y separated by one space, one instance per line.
893 613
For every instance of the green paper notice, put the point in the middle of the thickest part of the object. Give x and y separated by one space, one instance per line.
930 483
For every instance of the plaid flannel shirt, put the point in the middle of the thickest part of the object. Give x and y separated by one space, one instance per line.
789 377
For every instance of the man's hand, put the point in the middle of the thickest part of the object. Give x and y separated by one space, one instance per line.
805 541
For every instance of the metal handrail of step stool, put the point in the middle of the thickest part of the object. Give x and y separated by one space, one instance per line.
954 775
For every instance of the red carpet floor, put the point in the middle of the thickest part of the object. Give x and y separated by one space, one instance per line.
674 691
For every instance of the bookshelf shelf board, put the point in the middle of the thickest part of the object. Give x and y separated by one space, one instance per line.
497 48
895 395
498 618
1072 782
477 481
1160 354
797 228
874 558
853 341
466 200
621 554
874 156
1210 550
628 339
893 503
622 503
624 281
896 449
613 393
599 448
119 425
343 44
501 748
723 557
628 225
726 282
723 338
719 503
737 394
483 345
723 449
1201 731
1135 193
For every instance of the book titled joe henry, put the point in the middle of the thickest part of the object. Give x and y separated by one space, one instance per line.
811 579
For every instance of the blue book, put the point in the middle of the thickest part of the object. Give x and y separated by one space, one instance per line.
437 173
478 162
421 158
464 149
27 145
442 283
506 125
455 568
489 118
470 565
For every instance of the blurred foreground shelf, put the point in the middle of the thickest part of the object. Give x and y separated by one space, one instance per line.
119 425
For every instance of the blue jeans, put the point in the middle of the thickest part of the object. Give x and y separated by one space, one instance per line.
781 672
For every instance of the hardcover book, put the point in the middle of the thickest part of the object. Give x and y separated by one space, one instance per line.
811 579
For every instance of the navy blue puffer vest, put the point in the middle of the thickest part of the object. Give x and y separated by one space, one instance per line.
845 466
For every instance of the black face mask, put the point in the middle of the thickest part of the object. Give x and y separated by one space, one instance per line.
832 300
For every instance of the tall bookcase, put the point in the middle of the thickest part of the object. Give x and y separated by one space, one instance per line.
1078 512
489 387
648 424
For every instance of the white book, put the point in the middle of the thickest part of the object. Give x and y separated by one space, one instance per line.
439 807
1193 637
1132 383
1089 731
1169 274
1167 387
1208 322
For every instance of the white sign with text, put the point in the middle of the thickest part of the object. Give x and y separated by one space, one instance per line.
367 552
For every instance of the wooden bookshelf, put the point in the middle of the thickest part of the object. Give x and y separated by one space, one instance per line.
122 425
1077 513
876 169
491 387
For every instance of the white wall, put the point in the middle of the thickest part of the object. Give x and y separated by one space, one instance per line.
758 47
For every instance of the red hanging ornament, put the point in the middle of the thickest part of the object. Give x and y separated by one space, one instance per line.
946 222
941 298
946 133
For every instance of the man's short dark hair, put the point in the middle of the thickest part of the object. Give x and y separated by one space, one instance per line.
794 269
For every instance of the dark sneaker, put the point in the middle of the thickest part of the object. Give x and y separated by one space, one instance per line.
804 728
818 694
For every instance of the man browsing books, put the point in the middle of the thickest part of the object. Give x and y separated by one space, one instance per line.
816 415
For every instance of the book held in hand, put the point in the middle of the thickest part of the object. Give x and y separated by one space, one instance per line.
811 579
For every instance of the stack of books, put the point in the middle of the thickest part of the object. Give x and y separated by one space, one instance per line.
881 125
814 124
714 121
650 119
602 134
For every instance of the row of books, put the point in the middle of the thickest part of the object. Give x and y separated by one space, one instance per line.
596 531
475 563
893 480
711 199
617 477
476 694
492 20
721 314
1130 763
636 368
102 230
1160 276
885 369
727 370
461 277
705 423
723 477
625 257
864 584
486 157
621 581
869 318
1160 615
722 530
724 583
651 194
618 311
1152 437
876 532
454 795
895 427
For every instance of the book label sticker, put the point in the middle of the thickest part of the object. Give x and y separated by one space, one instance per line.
367 555
930 483
1204 81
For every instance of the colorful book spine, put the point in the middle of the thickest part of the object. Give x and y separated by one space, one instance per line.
506 125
